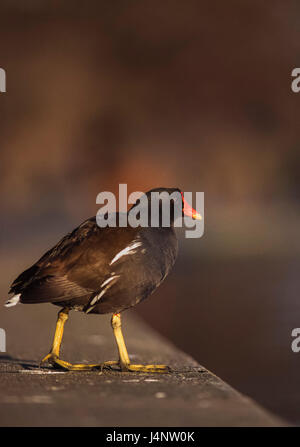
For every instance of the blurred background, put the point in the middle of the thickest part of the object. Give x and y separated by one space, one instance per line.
195 95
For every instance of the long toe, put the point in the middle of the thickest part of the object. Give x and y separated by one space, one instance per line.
56 362
76 366
162 369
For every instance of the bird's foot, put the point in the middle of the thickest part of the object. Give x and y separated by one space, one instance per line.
162 369
55 361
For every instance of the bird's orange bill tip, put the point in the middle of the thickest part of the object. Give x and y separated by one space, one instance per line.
189 211
196 216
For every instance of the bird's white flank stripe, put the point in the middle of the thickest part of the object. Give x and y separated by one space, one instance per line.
126 251
106 283
97 297
108 280
13 301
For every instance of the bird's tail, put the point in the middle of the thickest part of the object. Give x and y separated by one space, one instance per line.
13 300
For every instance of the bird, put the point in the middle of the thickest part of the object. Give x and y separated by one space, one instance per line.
100 270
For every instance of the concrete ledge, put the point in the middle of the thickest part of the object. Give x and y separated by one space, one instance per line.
189 396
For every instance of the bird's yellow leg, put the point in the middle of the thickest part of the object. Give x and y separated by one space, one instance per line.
124 362
62 317
53 356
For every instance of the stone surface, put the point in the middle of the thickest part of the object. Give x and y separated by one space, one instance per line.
33 396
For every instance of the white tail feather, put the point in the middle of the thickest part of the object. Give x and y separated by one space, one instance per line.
13 301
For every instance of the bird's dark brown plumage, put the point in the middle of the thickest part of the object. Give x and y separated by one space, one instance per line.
79 267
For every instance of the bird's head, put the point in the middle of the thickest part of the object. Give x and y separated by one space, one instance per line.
170 199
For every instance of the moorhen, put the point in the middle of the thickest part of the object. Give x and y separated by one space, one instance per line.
103 270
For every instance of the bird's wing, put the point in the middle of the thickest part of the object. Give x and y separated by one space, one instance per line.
75 267
52 289
51 262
